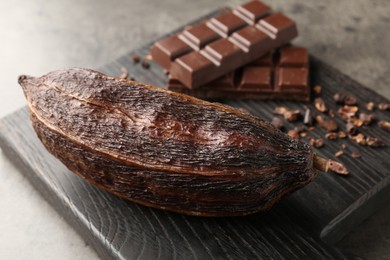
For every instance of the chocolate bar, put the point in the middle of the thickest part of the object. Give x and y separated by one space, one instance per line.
208 50
281 75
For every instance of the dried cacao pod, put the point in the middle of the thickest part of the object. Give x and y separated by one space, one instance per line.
162 149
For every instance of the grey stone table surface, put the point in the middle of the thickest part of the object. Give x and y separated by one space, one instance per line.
41 35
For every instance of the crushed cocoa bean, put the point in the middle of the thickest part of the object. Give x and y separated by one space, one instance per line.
350 100
303 134
384 125
319 104
292 115
384 106
331 136
328 124
124 73
317 143
370 106
280 110
277 122
294 134
359 138
317 89
375 142
307 119
343 146
366 118
347 112
356 155
148 57
135 58
341 134
339 98
339 153
356 121
337 167
331 113
145 64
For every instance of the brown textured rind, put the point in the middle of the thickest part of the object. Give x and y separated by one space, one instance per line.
163 149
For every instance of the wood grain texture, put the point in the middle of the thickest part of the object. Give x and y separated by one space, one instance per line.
328 208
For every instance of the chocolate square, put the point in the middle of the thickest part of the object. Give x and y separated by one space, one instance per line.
292 79
226 23
198 36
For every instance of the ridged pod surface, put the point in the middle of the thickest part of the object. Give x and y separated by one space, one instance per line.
163 149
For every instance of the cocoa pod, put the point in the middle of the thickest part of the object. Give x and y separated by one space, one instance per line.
163 149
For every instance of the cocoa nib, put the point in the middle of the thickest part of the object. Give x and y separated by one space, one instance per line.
124 73
343 99
356 155
359 138
384 125
317 143
320 105
294 133
384 106
339 98
145 64
337 168
370 106
341 134
366 118
331 136
280 110
350 100
375 142
347 112
331 113
339 153
135 58
292 115
328 124
350 128
317 89
307 119
289 115
277 122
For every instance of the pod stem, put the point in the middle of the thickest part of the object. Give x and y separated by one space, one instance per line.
325 165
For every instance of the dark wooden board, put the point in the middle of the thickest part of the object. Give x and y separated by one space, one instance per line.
298 227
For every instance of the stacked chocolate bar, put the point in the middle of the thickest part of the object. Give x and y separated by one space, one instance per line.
239 54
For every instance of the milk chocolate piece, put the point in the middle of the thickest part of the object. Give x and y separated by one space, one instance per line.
282 75
212 48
